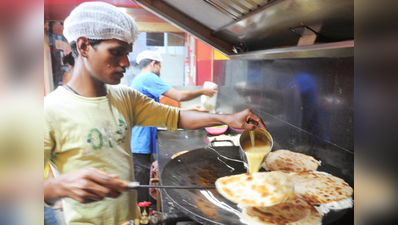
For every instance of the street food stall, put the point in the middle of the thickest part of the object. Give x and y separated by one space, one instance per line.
291 62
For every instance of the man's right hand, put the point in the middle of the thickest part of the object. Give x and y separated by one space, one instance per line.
209 91
85 185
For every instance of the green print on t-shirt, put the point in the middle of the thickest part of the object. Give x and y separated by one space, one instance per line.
95 139
111 138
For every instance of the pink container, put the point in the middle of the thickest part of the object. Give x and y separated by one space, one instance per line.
217 130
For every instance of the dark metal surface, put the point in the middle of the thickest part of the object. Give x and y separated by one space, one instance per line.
237 28
236 8
201 167
335 49
170 143
271 26
171 187
306 104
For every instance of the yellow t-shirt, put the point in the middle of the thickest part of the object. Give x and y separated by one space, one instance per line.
82 132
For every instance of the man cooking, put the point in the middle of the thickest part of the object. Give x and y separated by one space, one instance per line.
88 121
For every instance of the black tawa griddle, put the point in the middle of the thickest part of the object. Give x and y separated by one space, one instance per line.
202 167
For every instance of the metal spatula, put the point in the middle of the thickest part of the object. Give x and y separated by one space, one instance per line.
135 185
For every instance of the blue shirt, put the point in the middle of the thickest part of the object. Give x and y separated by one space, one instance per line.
143 139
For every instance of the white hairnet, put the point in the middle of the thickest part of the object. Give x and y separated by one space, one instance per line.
147 54
99 21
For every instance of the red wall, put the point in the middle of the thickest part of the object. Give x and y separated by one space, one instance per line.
204 60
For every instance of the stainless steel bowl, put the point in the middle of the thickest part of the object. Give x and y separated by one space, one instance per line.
261 135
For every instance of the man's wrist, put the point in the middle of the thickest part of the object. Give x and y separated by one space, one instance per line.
224 118
52 192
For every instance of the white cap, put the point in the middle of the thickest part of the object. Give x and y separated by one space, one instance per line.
99 21
147 54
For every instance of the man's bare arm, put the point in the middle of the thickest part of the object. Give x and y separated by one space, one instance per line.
186 95
245 119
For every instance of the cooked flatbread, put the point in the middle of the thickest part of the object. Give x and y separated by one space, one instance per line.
178 154
320 187
292 212
256 189
288 161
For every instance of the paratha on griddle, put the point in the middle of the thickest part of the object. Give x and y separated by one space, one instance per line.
320 187
292 212
288 161
256 189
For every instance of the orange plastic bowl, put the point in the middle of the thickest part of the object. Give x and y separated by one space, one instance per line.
216 130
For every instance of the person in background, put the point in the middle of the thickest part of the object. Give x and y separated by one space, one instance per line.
143 139
88 121
70 62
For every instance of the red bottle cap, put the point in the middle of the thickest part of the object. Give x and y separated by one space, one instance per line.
144 204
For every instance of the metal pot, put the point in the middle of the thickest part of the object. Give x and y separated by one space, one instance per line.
261 136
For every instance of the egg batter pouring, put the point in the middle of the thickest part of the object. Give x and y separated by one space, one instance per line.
255 154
